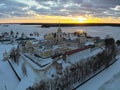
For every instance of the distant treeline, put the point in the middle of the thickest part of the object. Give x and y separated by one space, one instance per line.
71 25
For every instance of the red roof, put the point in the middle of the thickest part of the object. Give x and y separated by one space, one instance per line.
76 50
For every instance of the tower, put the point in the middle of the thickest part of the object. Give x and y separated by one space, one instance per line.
59 35
81 41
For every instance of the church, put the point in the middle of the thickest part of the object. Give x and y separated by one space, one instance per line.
55 38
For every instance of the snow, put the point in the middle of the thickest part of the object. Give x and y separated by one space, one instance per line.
95 51
65 65
34 65
7 77
40 61
51 72
109 79
30 62
92 31
96 82
31 77
6 73
29 80
18 67
89 43
38 37
60 61
84 54
112 84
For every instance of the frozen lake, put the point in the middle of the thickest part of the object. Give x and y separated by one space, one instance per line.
100 31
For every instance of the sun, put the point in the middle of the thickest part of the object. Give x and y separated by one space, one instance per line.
81 19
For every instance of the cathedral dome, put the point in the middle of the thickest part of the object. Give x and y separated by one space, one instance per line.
59 29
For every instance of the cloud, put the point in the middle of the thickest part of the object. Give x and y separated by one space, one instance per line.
9 8
116 8
22 8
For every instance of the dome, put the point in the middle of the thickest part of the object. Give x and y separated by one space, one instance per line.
29 43
59 29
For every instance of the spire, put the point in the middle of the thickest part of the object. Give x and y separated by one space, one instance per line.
59 28
59 25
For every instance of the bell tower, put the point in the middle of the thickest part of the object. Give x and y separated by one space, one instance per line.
59 34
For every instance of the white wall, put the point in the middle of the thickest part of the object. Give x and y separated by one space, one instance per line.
78 56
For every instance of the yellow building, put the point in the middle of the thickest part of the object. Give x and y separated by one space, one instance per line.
43 53
55 38
29 47
59 67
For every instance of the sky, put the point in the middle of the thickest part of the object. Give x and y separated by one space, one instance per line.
60 11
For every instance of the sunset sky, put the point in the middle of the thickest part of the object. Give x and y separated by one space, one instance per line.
60 11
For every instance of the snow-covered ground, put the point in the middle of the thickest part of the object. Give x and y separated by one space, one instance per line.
93 31
112 84
99 80
8 80
109 79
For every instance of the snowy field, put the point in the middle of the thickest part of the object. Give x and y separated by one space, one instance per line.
101 31
112 84
97 83
8 80
109 79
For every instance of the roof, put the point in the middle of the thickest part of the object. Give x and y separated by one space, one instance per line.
99 41
25 39
5 40
76 50
89 43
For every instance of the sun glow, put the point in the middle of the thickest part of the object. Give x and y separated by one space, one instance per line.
37 18
81 19
80 31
